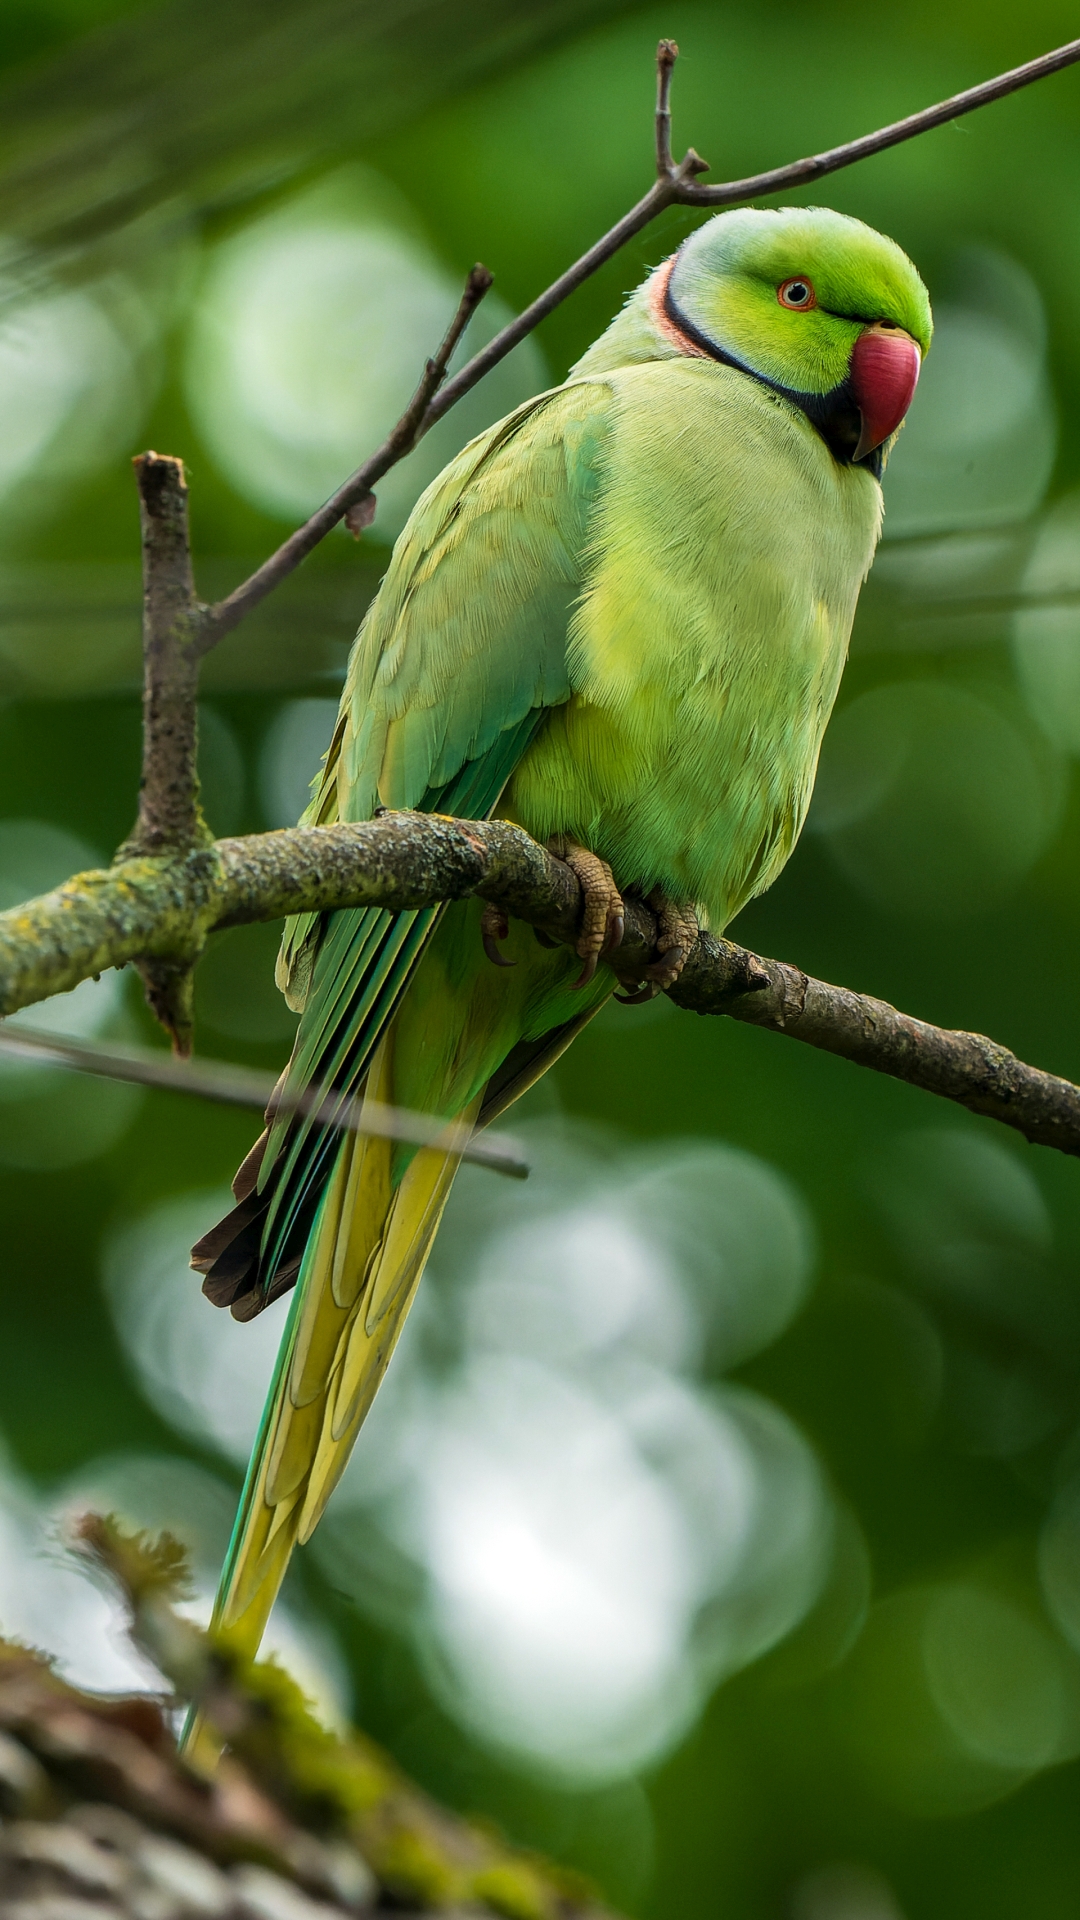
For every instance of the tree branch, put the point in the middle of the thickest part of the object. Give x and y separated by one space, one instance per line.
674 186
295 1821
403 437
408 860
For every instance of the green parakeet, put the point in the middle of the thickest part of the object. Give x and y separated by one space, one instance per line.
619 618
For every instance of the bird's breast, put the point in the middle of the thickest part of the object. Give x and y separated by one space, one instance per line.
727 549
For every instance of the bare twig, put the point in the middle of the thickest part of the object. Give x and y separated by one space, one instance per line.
407 860
799 173
403 437
975 1072
354 502
233 1086
674 185
666 55
170 820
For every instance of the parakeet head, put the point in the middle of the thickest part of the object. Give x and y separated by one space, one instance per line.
815 305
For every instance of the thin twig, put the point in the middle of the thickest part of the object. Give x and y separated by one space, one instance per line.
799 173
1020 601
675 185
354 502
666 55
403 437
233 1086
170 820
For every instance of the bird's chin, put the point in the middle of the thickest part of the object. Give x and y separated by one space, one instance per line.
839 421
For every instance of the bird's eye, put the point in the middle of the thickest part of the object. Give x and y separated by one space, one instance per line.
797 293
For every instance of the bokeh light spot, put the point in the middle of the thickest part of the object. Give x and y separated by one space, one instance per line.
932 802
204 1371
1046 639
978 446
69 393
578 1533
995 1677
289 758
314 327
50 1118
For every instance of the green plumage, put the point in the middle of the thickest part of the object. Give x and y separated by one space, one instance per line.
622 615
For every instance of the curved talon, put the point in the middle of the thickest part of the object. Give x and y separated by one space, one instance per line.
544 939
676 931
667 970
616 929
647 992
587 972
494 926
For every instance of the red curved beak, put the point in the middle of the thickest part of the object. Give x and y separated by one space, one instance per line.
884 372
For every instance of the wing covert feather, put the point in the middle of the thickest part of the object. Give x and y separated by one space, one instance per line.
468 632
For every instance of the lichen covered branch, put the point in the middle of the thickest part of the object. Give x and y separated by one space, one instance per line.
101 1818
153 908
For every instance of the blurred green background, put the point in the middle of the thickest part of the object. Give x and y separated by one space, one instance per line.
719 1527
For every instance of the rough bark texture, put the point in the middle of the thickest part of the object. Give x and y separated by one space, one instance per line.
100 1817
169 816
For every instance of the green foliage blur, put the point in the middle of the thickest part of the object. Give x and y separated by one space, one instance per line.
181 186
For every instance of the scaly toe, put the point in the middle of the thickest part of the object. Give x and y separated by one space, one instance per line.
603 916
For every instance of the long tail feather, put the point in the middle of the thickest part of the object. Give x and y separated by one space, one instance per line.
361 1270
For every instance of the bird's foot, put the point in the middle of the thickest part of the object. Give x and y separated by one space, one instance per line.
676 931
604 917
494 926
